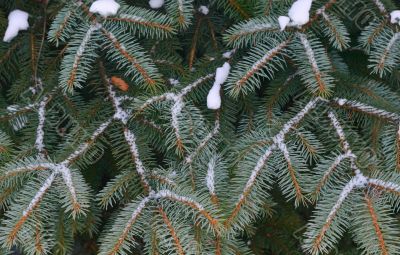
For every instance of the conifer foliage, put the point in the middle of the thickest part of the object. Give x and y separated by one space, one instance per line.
199 127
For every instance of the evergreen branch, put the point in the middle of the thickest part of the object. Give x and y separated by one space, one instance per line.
381 7
386 57
262 57
190 203
298 190
39 145
340 132
125 232
174 96
235 5
319 12
31 207
339 159
15 110
210 180
181 11
82 148
75 73
130 138
336 31
367 109
144 22
124 53
322 79
372 32
383 185
374 219
356 182
278 139
251 31
18 170
175 112
166 194
172 231
203 143
398 149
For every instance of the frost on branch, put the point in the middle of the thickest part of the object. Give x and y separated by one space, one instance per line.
104 7
17 21
214 97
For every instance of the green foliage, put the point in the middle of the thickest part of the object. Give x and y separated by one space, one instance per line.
107 146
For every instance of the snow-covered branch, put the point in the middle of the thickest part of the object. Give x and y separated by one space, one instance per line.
339 131
277 139
380 6
39 144
367 109
214 132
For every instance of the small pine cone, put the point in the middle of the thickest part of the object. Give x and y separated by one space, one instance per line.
119 83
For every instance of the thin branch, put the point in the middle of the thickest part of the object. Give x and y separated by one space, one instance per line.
279 138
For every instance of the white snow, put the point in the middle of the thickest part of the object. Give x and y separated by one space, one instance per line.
39 131
395 17
341 101
203 9
36 199
283 22
170 195
339 131
228 54
17 21
210 176
104 7
214 97
299 13
173 81
156 4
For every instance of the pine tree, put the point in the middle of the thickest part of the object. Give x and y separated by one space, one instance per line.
199 127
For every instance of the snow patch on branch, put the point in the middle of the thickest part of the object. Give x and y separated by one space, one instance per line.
39 195
299 13
384 184
84 146
310 54
17 21
84 42
104 7
39 145
367 109
175 112
278 141
210 177
228 54
380 6
358 181
395 17
283 22
156 4
67 178
214 97
131 140
203 9
119 114
183 199
339 131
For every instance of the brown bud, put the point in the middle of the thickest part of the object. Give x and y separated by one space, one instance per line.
119 83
